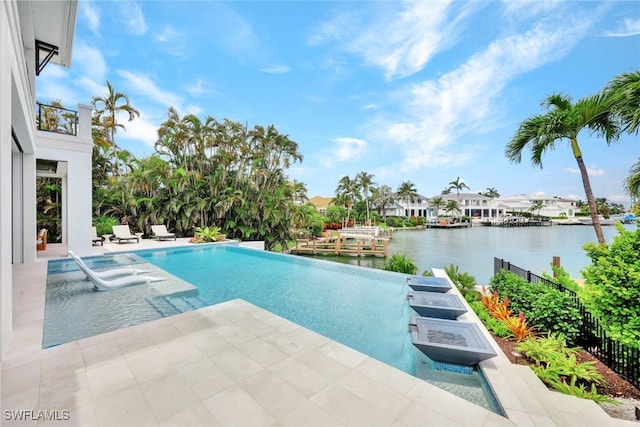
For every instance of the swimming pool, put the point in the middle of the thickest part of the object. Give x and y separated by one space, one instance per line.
362 308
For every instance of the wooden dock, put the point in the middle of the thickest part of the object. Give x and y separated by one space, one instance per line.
363 246
447 224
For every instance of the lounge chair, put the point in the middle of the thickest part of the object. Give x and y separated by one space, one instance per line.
104 284
122 233
41 240
160 232
95 239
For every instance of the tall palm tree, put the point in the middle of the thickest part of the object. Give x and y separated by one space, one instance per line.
565 120
458 185
537 206
365 182
452 207
383 197
106 110
407 191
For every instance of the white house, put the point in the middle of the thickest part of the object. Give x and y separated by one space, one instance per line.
551 206
33 35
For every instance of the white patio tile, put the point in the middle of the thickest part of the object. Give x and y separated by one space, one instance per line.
273 394
205 377
126 408
168 395
299 376
109 378
349 409
234 407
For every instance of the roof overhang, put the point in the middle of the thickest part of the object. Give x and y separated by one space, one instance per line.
52 23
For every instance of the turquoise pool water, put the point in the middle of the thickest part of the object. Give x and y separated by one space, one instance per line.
362 308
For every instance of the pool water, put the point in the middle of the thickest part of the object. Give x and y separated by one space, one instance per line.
362 308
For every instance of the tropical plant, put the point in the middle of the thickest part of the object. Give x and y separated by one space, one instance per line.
382 197
400 264
632 182
565 120
104 224
438 203
365 182
105 115
536 206
491 193
346 194
518 327
458 185
407 192
465 282
452 208
612 285
208 234
624 96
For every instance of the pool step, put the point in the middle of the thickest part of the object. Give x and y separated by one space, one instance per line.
180 302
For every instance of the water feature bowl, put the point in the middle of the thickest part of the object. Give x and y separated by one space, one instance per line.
428 284
450 341
439 305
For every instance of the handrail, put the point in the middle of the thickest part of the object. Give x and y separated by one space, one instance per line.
51 118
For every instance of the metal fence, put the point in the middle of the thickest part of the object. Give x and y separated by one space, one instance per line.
620 358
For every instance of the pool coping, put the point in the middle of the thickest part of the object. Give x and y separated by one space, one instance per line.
359 385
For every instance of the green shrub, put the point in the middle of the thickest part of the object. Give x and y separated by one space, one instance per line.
400 264
208 234
549 309
465 282
554 363
612 286
104 224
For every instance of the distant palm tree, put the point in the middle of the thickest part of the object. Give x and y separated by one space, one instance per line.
365 181
447 190
437 202
458 185
383 197
407 191
491 193
536 206
565 120
346 194
632 183
452 207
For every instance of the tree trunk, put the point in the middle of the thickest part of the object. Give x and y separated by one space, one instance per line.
590 200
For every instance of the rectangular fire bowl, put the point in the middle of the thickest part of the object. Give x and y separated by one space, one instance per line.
428 284
450 341
439 305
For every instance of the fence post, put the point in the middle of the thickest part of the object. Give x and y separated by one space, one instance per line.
529 276
556 263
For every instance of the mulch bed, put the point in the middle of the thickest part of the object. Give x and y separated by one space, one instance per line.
616 386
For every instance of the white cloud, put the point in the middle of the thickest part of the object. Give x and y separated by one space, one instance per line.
436 113
90 61
197 88
275 69
91 16
400 38
590 171
167 34
628 27
131 17
139 129
347 149
142 84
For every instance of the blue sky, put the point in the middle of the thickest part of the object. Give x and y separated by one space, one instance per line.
407 91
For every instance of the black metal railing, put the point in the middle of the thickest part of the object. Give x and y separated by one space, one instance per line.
52 118
620 358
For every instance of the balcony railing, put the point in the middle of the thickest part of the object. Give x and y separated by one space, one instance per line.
51 118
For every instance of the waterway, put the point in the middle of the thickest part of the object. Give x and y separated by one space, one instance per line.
473 249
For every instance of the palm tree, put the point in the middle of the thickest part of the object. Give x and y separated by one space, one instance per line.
632 183
491 193
383 197
364 181
407 191
458 185
565 120
624 95
106 110
346 194
536 206
452 207
437 202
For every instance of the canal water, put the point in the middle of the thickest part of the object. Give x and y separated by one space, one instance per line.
473 249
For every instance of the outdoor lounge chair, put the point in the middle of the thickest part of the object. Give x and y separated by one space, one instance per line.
160 232
122 233
102 281
41 240
95 239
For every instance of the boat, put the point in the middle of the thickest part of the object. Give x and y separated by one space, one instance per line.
603 221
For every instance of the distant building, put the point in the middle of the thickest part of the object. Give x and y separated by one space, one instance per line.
321 204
